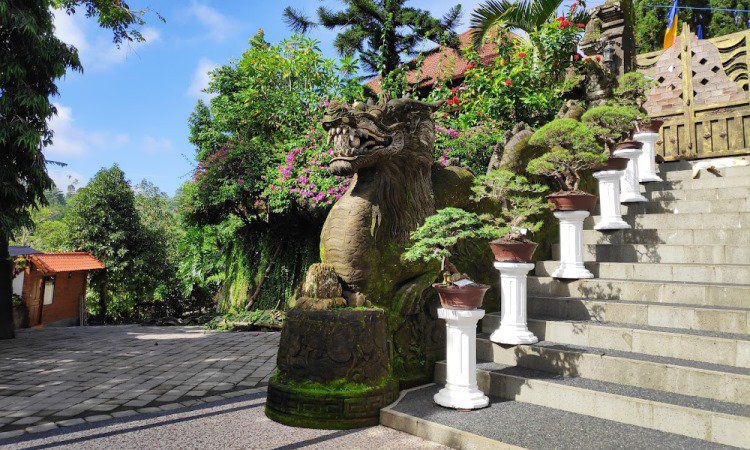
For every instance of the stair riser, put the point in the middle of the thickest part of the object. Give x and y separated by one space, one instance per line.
728 193
708 221
668 237
700 424
714 350
690 294
661 253
701 183
661 271
684 207
684 380
687 174
681 317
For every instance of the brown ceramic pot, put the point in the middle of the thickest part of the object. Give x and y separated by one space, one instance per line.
465 297
650 126
613 163
513 251
628 145
572 201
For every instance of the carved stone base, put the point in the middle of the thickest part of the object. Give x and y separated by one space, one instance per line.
334 369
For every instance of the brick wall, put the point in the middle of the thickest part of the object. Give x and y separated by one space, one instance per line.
69 289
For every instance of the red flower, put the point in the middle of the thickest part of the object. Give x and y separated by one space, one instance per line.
564 23
561 18
471 65
508 82
453 90
573 5
580 25
598 57
522 55
576 57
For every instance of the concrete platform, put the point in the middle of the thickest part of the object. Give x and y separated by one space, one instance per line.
706 273
512 424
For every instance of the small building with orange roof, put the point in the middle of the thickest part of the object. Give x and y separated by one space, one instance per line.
53 286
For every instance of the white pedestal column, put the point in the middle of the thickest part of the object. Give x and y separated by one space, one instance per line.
647 161
571 245
630 189
513 327
609 201
460 389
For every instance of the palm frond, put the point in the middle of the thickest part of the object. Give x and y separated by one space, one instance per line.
488 15
297 21
55 163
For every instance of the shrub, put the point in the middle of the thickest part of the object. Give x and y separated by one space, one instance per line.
611 124
572 149
519 201
632 89
441 231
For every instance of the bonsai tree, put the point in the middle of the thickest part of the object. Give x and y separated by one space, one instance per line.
519 200
632 89
612 123
440 232
572 148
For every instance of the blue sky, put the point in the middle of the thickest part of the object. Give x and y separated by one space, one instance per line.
130 106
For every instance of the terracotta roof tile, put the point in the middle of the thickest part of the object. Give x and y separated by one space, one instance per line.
441 61
49 263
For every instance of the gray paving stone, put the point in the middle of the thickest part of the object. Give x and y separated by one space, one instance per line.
70 422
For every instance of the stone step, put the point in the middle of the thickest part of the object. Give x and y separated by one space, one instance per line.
699 418
701 183
725 193
705 294
662 253
684 207
710 347
697 273
718 382
508 424
681 236
661 221
689 317
677 171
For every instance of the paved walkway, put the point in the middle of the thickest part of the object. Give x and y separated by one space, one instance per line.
236 422
66 376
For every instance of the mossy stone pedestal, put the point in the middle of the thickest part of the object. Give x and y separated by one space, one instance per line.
334 370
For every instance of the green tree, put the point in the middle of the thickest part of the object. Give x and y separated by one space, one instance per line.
725 22
104 221
381 32
31 60
526 15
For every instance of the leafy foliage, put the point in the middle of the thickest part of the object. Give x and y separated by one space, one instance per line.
440 232
611 124
526 15
572 149
380 32
632 89
519 199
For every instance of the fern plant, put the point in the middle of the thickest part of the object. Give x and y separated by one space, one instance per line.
519 201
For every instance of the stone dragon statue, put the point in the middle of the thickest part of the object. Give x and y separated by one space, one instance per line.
388 149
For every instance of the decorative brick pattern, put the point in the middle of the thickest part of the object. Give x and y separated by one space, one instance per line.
55 375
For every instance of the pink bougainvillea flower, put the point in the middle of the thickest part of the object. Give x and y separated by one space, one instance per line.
521 54
508 82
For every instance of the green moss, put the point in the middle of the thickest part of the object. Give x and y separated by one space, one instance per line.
341 386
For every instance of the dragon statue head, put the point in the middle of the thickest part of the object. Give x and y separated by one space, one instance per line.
368 136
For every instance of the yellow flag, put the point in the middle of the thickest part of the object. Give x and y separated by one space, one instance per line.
671 32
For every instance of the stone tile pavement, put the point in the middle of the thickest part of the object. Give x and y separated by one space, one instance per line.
64 376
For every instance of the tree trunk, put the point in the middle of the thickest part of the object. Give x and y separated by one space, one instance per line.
6 290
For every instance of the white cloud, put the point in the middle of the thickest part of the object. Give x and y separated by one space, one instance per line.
201 78
156 145
219 26
69 140
64 177
100 52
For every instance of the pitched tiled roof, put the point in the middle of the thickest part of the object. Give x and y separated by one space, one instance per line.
443 61
20 250
50 263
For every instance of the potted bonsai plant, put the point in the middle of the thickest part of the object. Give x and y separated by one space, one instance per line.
572 148
612 126
518 201
632 90
434 240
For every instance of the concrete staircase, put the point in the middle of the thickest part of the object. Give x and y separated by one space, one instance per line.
658 344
